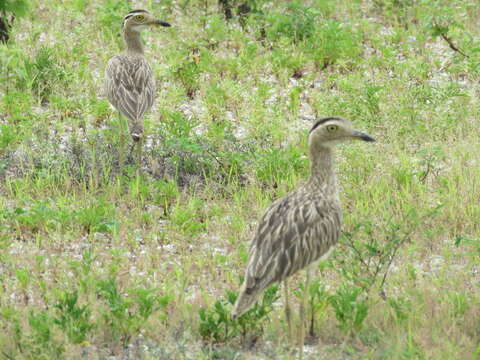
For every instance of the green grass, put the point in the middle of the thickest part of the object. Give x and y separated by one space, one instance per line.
97 261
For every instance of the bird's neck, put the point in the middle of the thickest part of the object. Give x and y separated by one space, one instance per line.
322 174
132 41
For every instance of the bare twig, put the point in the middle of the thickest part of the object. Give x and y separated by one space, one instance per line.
449 41
452 45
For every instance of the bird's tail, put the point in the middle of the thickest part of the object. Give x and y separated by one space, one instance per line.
244 302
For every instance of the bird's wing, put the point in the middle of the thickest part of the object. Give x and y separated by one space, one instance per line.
130 86
294 232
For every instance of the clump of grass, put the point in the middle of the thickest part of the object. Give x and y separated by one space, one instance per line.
42 75
45 71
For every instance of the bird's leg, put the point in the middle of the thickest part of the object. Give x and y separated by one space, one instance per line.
138 152
122 142
311 332
302 313
136 130
288 313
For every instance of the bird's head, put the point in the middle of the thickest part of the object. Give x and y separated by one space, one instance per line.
329 131
137 20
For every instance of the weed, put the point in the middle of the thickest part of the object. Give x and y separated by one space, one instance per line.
42 342
275 166
110 16
188 71
41 75
374 256
216 325
333 43
98 216
128 314
401 307
188 218
473 243
166 192
73 319
297 23
45 71
318 300
350 308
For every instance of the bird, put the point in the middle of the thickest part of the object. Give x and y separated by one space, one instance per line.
297 230
129 80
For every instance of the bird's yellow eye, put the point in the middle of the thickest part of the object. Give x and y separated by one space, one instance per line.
332 128
139 17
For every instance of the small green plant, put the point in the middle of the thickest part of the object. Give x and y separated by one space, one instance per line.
83 270
217 326
8 136
275 165
99 216
42 344
119 318
474 244
400 11
318 302
187 71
128 314
430 160
333 42
350 308
110 16
44 73
39 216
401 307
252 320
41 325
165 194
188 218
366 262
297 22
214 154
148 301
72 318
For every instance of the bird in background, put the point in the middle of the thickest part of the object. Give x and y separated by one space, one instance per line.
299 229
129 80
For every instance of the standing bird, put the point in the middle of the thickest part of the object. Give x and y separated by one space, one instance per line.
129 81
300 228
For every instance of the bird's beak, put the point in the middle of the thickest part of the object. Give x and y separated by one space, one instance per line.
157 22
362 136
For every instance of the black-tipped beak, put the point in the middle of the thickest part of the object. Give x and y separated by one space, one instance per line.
161 23
363 136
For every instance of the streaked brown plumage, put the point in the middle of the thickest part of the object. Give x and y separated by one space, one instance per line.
129 81
300 228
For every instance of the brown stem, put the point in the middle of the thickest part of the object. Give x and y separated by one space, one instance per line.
452 45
